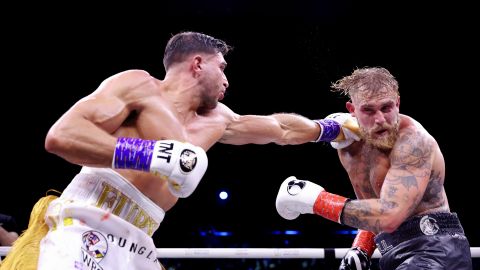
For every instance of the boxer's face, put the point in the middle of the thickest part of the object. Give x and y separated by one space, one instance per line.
378 117
213 80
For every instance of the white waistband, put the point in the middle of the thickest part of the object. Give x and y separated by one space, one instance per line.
107 189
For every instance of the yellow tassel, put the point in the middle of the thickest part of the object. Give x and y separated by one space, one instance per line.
25 250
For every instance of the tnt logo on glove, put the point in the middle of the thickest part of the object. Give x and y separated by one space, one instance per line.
182 164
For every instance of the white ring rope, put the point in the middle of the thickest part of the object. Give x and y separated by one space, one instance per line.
253 253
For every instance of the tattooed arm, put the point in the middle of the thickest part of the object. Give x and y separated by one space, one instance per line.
403 188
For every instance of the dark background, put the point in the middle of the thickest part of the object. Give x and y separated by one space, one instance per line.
285 57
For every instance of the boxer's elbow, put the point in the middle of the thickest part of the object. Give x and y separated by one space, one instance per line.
55 142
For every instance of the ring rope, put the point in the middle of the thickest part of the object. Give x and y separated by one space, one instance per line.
253 253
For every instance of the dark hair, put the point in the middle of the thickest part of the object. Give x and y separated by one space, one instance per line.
185 43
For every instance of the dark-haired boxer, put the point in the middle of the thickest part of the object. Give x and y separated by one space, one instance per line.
142 142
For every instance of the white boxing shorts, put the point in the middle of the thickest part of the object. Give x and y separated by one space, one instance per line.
101 221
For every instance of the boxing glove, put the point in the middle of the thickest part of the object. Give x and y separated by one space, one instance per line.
355 259
358 257
340 129
181 164
297 197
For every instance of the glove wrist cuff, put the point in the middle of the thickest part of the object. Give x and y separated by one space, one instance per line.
133 153
365 242
329 206
329 130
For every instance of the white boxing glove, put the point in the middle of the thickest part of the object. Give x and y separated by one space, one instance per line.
296 197
347 133
181 164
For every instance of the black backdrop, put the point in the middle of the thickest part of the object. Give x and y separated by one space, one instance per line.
285 57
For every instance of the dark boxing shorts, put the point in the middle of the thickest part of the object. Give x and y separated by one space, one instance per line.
433 241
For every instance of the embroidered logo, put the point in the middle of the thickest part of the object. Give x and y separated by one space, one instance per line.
188 160
94 249
295 186
383 247
429 225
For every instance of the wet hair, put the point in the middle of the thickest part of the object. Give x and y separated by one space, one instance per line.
368 80
183 44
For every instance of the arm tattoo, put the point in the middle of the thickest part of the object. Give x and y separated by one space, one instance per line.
414 152
359 214
354 212
433 194
411 162
391 191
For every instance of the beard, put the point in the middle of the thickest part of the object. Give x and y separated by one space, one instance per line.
207 104
385 142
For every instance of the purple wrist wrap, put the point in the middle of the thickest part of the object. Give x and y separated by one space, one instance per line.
133 153
330 130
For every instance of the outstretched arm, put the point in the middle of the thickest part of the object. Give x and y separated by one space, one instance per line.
281 128
289 128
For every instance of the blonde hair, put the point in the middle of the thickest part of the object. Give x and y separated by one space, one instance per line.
368 81
25 250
